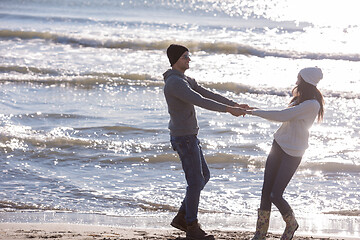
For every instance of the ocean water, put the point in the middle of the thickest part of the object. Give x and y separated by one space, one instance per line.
83 119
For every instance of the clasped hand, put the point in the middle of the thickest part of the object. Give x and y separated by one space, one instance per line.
240 110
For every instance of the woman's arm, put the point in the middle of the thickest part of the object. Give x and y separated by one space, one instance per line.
296 112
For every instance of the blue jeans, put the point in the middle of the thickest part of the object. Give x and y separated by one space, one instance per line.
279 169
196 171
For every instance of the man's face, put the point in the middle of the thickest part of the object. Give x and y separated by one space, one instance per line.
183 62
298 80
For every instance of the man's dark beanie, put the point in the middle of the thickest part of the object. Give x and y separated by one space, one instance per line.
174 52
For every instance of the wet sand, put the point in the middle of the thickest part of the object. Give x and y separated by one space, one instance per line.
12 231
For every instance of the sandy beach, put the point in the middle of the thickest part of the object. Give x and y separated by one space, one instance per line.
85 149
12 231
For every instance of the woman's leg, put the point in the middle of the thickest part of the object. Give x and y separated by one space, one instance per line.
271 169
286 171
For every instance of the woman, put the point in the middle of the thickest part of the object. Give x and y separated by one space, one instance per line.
289 145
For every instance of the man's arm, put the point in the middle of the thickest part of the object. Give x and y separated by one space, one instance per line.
216 97
183 91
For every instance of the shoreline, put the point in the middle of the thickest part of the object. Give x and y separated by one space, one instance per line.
79 226
22 231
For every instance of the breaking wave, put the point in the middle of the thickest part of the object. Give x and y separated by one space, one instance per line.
14 138
211 47
46 76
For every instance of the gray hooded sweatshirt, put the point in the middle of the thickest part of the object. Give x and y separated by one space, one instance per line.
182 93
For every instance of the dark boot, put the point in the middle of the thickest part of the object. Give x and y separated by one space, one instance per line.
262 225
194 232
291 226
179 222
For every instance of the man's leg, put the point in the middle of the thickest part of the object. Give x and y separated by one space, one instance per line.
205 168
191 159
197 175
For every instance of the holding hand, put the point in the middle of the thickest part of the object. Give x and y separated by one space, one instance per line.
236 111
244 106
240 109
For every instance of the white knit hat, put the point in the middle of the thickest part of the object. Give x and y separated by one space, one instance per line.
311 75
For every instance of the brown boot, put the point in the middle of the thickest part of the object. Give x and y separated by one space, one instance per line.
179 222
194 232
291 226
262 225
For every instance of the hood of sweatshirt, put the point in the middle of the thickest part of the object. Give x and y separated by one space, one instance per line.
171 72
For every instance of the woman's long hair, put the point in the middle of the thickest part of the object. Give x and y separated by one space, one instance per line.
306 91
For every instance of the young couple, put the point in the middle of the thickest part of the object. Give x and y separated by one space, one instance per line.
182 93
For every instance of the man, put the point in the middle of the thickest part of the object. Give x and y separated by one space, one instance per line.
182 93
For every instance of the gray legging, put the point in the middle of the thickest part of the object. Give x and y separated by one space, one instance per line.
279 169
